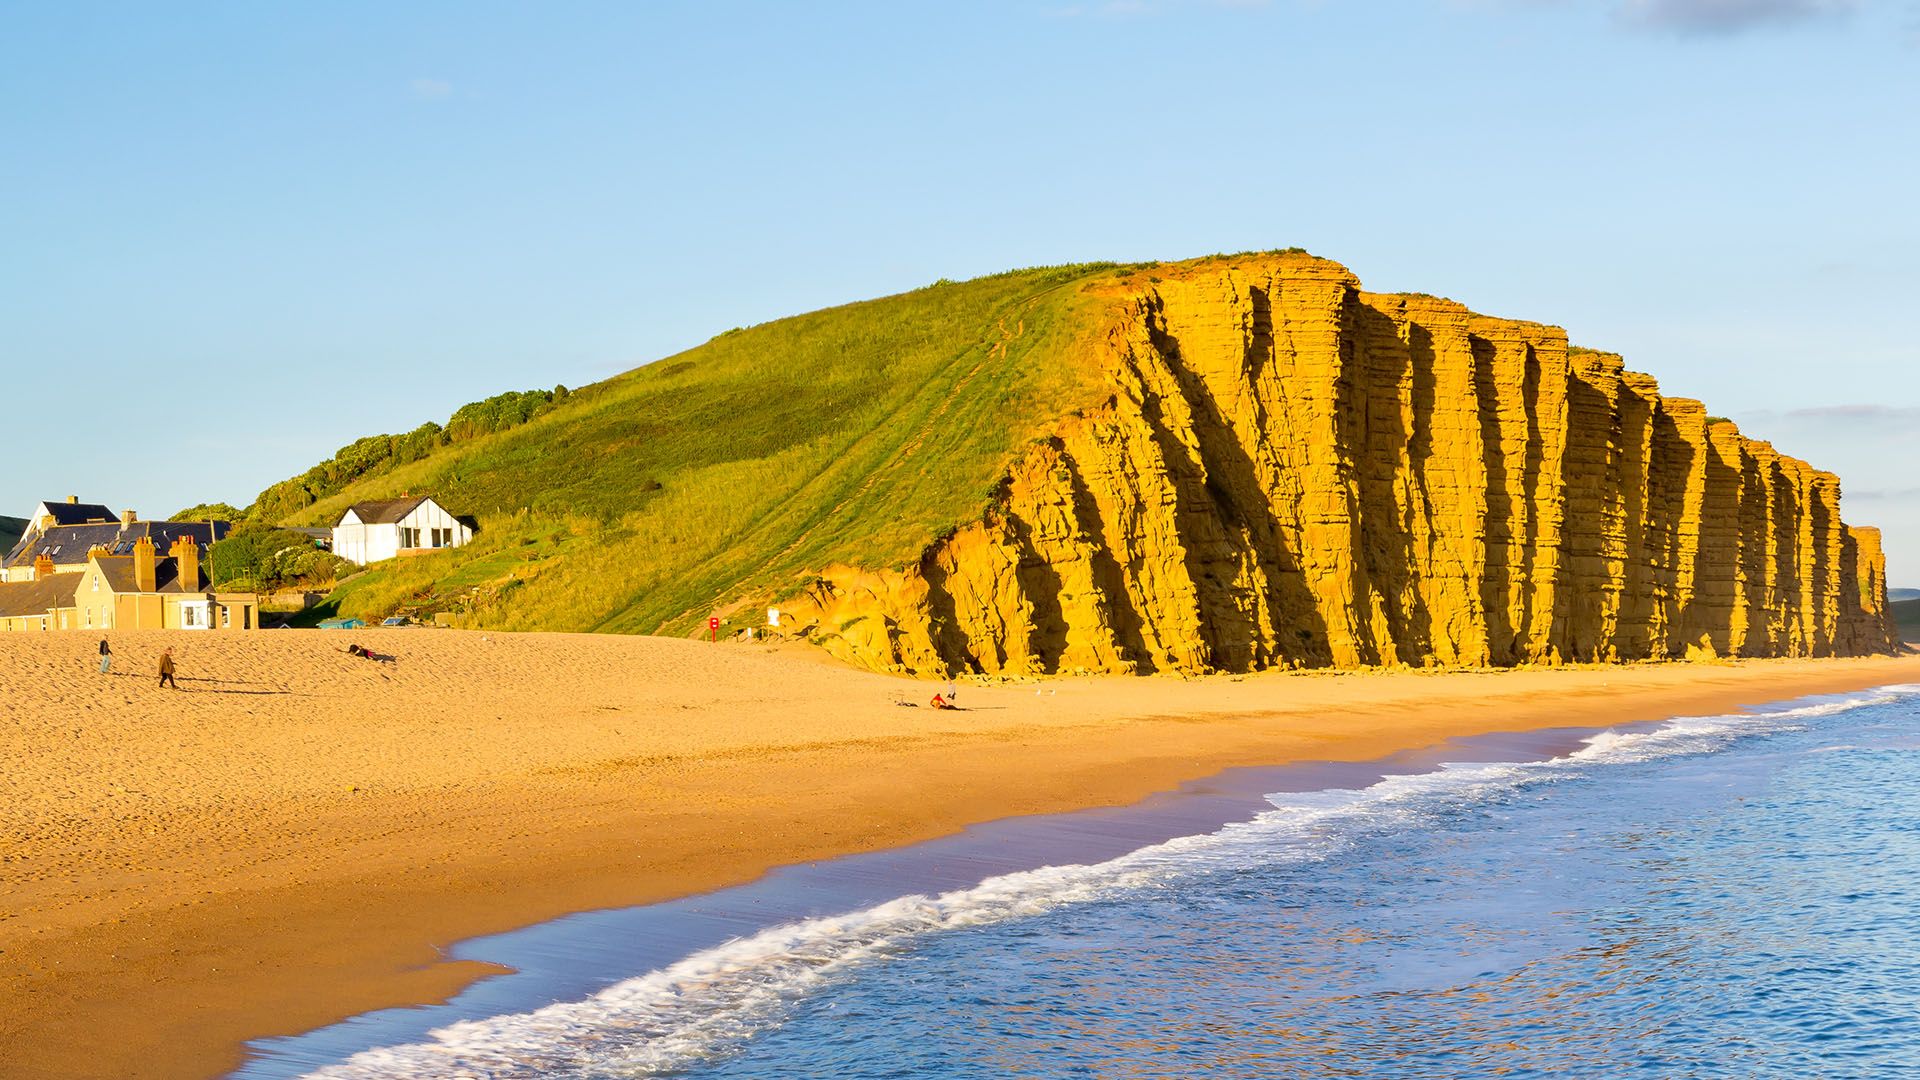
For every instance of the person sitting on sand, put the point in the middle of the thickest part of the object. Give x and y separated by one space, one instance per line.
166 670
106 656
940 702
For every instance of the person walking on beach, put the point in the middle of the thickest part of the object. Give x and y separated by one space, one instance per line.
106 656
166 670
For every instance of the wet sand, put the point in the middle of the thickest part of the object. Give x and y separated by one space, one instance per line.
295 835
576 956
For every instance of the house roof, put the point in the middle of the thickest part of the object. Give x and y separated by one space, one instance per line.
118 570
66 513
67 545
36 597
384 511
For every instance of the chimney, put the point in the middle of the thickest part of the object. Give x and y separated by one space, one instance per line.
97 551
128 517
143 568
73 500
43 566
186 559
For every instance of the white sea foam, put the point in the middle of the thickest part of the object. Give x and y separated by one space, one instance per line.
715 999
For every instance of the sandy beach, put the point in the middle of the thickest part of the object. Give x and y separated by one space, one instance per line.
292 836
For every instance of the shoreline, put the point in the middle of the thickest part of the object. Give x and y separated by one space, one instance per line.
301 848
577 955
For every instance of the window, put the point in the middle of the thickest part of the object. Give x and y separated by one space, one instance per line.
409 538
226 617
443 538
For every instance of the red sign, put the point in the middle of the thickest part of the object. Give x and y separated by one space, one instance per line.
713 623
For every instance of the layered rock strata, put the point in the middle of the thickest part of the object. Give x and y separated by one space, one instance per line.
1290 471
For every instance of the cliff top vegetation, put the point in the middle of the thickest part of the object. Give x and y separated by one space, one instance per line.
853 434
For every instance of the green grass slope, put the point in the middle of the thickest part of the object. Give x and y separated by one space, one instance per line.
641 504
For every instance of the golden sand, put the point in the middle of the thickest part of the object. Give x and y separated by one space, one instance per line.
292 836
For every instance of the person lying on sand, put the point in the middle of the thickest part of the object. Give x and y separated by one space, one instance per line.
369 654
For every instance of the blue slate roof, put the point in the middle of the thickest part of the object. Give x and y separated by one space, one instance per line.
66 513
67 545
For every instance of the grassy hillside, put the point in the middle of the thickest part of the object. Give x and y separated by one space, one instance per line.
1906 615
11 530
639 504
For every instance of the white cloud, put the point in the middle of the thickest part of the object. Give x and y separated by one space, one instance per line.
1728 16
430 89
1885 495
1895 417
1126 8
1694 18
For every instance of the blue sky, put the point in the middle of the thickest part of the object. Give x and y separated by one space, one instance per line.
236 236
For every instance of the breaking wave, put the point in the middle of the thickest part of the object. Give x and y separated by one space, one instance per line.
716 999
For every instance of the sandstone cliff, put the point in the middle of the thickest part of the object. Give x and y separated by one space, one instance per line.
1290 471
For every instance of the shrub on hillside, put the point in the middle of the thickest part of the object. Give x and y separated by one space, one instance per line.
215 511
265 558
376 454
500 412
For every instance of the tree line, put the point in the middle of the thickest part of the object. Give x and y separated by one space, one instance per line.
377 454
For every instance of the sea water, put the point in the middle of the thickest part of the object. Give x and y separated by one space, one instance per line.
1726 896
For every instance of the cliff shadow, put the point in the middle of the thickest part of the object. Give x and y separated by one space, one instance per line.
1496 574
1372 422
1041 585
1528 643
1754 532
1630 474
1296 610
955 648
1787 623
1589 491
1108 575
1823 589
1671 458
1417 614
1241 508
1716 583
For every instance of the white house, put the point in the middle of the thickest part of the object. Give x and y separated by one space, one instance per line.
372 531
